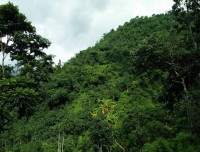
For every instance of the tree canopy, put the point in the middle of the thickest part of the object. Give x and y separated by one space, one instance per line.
136 90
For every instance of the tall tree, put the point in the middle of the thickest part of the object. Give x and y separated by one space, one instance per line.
18 38
187 14
20 42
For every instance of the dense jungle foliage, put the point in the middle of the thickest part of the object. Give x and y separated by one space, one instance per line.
136 90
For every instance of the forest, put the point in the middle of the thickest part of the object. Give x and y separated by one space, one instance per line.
136 90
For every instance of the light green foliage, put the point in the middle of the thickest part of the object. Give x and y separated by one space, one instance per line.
84 143
160 145
186 142
136 90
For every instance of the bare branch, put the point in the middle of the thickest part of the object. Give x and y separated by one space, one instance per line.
177 81
177 74
119 144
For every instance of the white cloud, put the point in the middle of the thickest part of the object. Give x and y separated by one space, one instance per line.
74 25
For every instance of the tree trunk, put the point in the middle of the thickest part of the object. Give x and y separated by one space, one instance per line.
188 101
59 146
3 59
101 148
123 149
63 140
3 50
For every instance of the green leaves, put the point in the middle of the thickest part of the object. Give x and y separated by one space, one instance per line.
160 145
11 20
18 38
18 92
26 47
135 90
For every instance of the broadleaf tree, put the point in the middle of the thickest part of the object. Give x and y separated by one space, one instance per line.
20 43
18 37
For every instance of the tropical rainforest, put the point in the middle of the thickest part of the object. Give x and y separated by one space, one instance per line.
136 90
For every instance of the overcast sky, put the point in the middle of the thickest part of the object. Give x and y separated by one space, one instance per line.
74 25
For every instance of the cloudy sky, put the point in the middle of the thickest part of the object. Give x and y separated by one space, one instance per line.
74 25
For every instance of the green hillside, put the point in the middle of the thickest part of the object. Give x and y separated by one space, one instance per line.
136 90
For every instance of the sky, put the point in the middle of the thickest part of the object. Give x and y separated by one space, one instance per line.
75 25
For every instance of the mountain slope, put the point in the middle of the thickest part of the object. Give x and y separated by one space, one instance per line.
115 96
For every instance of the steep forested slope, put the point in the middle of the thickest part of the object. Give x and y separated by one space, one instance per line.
137 89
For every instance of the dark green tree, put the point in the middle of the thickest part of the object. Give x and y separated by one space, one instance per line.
18 93
20 43
18 38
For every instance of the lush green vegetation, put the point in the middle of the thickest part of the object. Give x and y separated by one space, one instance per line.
136 90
